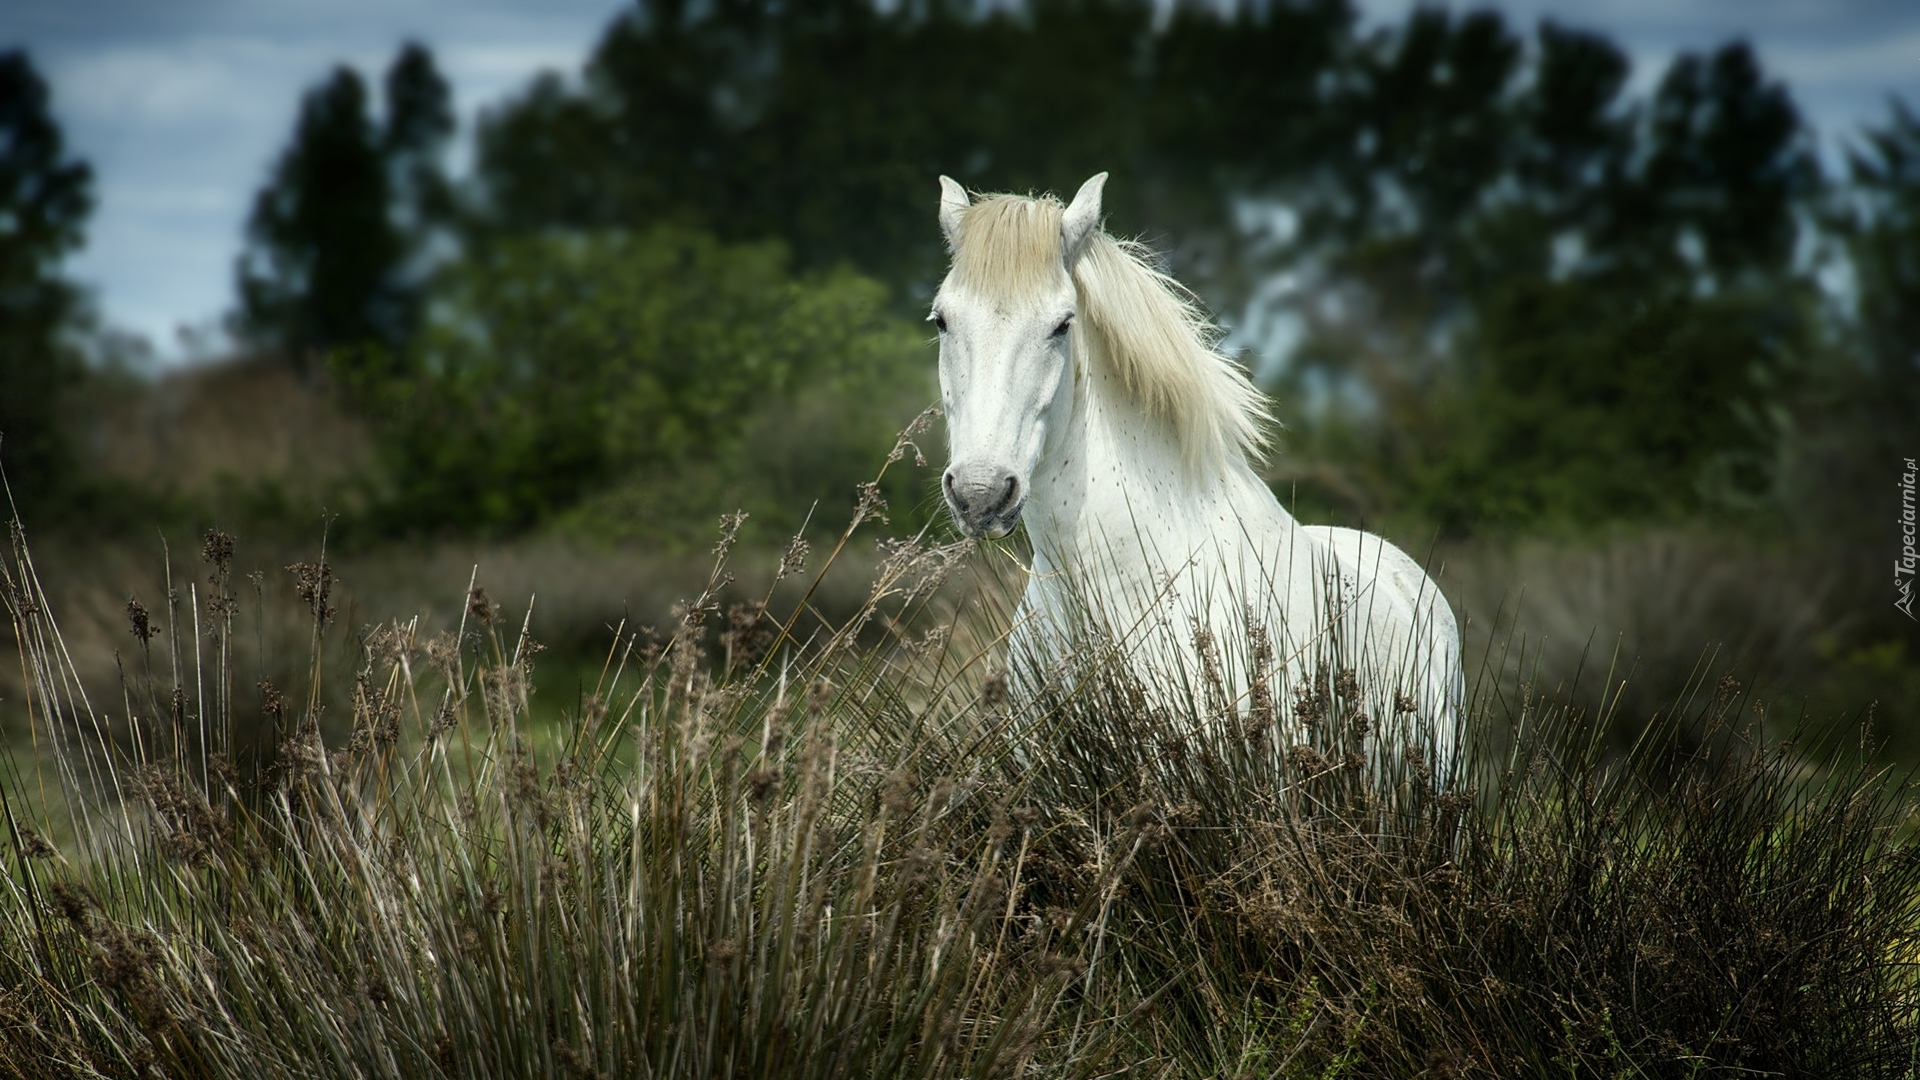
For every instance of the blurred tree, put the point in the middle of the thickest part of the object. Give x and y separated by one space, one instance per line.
1584 408
563 364
1526 319
1430 173
1728 167
1856 423
823 122
419 124
340 240
1884 241
1441 195
321 243
45 198
423 207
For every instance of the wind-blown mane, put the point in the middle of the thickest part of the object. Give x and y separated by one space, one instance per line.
1140 324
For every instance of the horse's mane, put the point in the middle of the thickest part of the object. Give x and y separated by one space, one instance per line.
1146 327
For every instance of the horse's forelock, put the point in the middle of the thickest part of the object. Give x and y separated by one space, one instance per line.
1009 247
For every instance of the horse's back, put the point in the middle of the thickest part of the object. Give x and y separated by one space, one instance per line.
1416 617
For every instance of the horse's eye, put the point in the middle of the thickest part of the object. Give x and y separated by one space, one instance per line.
1061 330
939 322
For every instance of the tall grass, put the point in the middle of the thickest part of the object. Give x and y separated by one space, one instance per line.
1328 902
865 850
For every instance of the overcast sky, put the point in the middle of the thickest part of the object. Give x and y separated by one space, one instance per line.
182 105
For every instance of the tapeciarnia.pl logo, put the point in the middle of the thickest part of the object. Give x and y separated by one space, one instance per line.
1903 567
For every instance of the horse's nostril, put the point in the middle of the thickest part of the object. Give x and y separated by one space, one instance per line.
953 492
1010 494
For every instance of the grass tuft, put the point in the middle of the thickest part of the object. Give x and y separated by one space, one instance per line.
767 844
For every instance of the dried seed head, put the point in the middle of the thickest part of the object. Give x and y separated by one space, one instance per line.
480 608
273 704
922 863
762 782
443 653
1259 641
912 431
942 797
1209 654
897 799
218 549
1728 686
313 583
1306 759
1346 686
794 559
1307 708
729 532
931 641
749 632
993 691
140 620
445 720
76 906
871 503
1000 829
33 845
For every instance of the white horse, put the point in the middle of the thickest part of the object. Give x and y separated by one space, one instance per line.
1084 396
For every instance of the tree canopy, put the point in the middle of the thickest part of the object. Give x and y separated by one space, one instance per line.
560 366
45 197
1477 241
338 239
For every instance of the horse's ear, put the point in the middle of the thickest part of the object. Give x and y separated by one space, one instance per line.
953 207
1082 217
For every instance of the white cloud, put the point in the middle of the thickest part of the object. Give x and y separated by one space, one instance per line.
1890 61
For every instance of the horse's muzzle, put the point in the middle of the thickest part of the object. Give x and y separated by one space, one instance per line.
986 501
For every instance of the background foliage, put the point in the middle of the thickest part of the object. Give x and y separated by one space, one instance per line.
1646 355
1499 299
45 197
559 366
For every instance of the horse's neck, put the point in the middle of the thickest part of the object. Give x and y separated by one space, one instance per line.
1114 494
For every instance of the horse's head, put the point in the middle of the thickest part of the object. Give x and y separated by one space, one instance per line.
1005 316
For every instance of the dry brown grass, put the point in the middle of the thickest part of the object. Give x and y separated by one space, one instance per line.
198 432
580 593
864 854
1637 613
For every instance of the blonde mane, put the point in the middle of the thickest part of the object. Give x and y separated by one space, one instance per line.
1141 324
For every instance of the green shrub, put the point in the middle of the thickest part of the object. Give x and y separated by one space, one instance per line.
559 367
